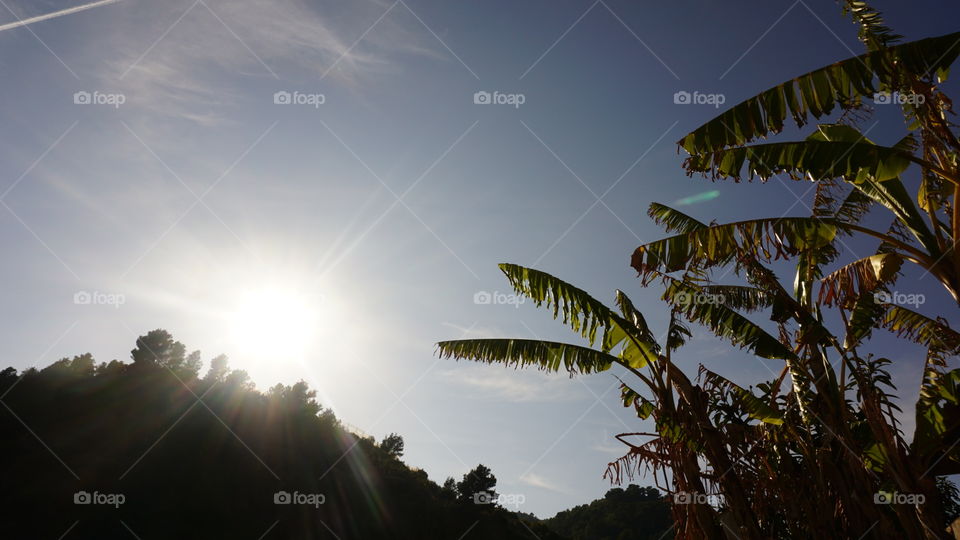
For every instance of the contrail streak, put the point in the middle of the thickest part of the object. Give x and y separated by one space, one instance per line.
55 14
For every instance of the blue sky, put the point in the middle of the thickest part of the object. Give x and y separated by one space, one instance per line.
387 207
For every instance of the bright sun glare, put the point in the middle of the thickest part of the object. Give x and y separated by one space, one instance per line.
275 324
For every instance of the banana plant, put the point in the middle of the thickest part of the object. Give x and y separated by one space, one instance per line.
685 431
925 227
713 436
808 454
721 148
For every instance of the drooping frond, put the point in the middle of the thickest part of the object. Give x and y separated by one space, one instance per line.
859 278
893 195
739 297
677 333
865 315
636 318
766 239
700 307
852 161
641 405
753 406
843 83
673 220
938 416
873 32
586 315
932 333
825 198
582 312
544 355
854 207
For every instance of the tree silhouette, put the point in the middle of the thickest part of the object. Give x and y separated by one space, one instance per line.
159 347
392 444
449 488
477 486
218 370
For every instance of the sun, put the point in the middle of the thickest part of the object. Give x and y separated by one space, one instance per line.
275 324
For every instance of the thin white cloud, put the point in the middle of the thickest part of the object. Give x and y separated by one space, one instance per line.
606 443
473 332
610 449
513 386
208 61
55 14
534 480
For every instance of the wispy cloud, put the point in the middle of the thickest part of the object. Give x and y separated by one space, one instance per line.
55 14
205 60
534 480
507 385
606 443
473 332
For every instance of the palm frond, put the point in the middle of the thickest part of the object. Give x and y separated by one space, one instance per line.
852 161
931 333
697 306
766 239
586 315
520 353
859 278
818 92
753 406
673 220
873 32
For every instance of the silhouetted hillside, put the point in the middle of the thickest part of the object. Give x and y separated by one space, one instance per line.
636 513
152 449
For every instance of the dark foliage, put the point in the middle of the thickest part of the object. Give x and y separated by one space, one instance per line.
205 457
477 486
392 444
635 513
